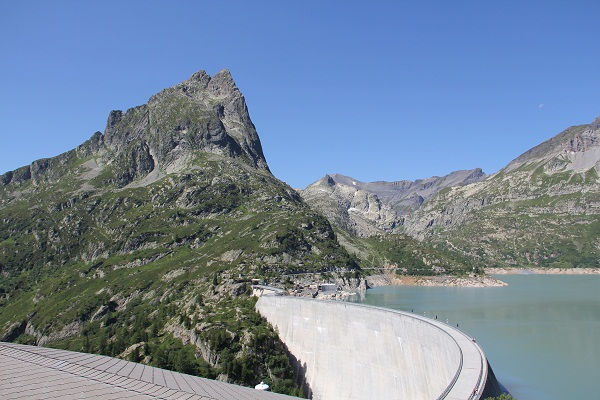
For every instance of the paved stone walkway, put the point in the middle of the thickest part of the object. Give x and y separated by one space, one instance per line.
31 372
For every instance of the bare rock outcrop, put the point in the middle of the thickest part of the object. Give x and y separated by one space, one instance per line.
203 113
369 208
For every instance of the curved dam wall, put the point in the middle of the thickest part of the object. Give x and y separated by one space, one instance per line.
352 351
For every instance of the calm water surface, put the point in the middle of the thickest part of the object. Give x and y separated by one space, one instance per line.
541 333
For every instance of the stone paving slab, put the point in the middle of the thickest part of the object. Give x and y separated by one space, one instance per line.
31 372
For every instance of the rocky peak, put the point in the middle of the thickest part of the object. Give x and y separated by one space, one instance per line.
113 119
575 149
200 85
211 113
201 77
405 195
222 84
349 207
327 180
200 114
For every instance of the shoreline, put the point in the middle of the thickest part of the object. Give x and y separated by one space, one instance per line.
390 278
474 281
542 271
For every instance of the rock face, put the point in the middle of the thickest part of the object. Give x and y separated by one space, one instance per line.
203 113
353 209
542 209
368 208
406 196
576 149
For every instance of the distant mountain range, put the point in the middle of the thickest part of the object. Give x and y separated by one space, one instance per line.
365 208
542 209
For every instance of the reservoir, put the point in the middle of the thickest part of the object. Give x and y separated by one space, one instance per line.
541 333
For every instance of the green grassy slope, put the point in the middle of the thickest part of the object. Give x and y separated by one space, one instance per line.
533 215
165 268
407 255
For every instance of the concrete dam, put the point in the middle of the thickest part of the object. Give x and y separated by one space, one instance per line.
354 351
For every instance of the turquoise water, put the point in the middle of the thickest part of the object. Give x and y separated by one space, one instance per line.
541 333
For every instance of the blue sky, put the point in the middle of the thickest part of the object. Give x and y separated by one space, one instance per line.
375 90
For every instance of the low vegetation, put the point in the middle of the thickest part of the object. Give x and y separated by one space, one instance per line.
406 254
160 273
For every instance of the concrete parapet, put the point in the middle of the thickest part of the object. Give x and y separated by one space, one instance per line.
353 351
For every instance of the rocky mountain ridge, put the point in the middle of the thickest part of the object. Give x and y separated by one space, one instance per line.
542 209
405 195
211 116
564 166
575 149
369 208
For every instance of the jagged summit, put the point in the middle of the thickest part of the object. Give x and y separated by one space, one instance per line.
327 180
200 114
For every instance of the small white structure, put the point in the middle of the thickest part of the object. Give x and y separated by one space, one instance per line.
260 290
327 287
262 386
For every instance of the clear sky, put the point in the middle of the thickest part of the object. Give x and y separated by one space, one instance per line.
376 90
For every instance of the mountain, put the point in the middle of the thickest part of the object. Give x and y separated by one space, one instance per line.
351 208
369 219
368 208
142 242
201 114
406 196
542 209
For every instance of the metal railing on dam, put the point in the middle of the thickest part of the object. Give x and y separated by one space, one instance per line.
355 351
